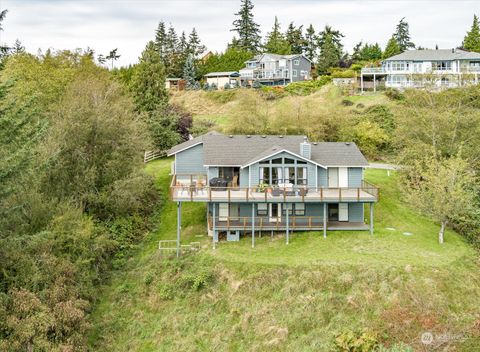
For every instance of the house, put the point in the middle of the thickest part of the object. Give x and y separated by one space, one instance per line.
175 83
441 68
220 79
253 183
274 69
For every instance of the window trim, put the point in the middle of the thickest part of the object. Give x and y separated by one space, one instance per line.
300 212
296 62
294 73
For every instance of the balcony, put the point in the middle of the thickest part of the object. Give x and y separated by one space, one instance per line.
193 188
373 70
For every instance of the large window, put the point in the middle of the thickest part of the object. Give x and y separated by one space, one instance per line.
299 209
262 209
296 62
285 207
283 170
441 65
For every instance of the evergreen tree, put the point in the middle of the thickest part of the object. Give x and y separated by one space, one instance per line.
331 50
471 42
248 30
183 48
402 36
366 52
392 48
113 56
3 48
295 39
18 48
160 39
172 57
195 46
311 43
189 72
148 81
275 41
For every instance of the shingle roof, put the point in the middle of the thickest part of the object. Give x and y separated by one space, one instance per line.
239 150
338 154
222 74
435 55
275 56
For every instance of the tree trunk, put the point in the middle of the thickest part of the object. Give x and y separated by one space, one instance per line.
442 230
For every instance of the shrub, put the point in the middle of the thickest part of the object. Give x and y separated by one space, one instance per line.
337 73
221 97
394 94
346 102
272 93
356 341
307 87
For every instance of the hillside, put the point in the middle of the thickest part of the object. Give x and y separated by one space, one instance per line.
387 288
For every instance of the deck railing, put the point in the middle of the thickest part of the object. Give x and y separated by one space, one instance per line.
195 188
244 223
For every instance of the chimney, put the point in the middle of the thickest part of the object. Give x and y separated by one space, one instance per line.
453 50
306 148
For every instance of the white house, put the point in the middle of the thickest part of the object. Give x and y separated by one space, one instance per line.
441 68
222 78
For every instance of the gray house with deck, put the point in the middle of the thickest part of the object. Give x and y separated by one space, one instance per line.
260 183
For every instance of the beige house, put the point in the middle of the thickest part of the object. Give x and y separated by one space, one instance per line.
222 78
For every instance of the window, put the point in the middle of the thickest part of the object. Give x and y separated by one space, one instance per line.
263 162
277 161
285 207
294 73
264 175
276 176
289 161
300 209
290 175
222 211
262 209
301 176
398 66
441 65
296 63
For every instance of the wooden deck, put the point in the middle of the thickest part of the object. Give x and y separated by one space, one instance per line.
196 192
295 223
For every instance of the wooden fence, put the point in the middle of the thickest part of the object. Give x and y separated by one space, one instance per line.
153 154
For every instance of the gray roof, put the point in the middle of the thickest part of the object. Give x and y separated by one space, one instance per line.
276 57
435 55
240 150
222 74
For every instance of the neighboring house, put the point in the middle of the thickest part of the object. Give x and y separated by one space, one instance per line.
274 69
175 83
221 78
272 183
442 68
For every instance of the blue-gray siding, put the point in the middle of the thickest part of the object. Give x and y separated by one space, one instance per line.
355 175
322 177
355 212
244 177
190 161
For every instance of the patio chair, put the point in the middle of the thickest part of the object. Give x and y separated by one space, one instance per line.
275 192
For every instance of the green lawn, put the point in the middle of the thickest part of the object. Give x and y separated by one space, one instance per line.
292 297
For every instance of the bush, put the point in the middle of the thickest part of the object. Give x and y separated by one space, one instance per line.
356 341
272 93
221 97
394 94
307 87
337 73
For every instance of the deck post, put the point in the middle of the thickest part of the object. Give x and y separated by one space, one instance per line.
361 82
214 236
374 83
253 225
179 220
324 220
371 218
286 211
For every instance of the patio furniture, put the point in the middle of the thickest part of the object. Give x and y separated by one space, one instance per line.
275 192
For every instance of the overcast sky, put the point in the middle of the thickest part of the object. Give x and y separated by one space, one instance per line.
129 24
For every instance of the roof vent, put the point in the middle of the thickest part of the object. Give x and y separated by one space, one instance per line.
281 136
347 143
315 143
453 50
248 136
230 136
264 136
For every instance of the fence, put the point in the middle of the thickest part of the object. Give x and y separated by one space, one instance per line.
169 247
153 154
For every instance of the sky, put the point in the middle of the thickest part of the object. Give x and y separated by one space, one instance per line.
129 24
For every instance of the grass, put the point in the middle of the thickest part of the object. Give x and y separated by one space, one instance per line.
293 297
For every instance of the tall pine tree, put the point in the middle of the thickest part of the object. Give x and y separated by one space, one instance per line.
311 43
160 39
402 36
295 39
392 48
471 42
331 49
189 72
248 30
195 46
275 41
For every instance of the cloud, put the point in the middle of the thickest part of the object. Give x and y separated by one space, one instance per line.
128 25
